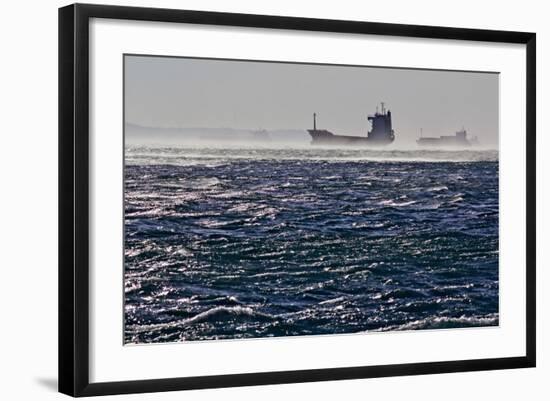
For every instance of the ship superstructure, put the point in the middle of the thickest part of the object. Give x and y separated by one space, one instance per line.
381 132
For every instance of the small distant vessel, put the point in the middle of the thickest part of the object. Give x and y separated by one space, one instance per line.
458 140
380 134
261 135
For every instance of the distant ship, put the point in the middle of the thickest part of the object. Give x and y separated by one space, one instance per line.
458 140
380 134
261 135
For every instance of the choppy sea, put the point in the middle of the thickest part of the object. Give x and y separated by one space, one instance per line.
242 243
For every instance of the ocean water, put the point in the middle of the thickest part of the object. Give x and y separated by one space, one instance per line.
243 243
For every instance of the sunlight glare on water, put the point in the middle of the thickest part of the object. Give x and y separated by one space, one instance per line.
255 242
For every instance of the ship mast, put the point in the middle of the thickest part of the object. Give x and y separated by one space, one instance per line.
314 121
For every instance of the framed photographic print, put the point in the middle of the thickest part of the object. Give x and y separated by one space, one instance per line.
250 199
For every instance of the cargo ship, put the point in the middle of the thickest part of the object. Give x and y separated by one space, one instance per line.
381 132
458 140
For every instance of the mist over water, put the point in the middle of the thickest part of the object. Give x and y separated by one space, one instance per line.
186 153
289 138
227 242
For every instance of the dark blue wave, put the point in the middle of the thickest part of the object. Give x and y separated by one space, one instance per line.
254 247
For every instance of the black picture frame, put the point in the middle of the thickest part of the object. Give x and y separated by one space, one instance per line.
74 198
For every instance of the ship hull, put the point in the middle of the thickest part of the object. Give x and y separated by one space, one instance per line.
441 143
327 138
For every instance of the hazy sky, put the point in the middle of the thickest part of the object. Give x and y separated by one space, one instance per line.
182 92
